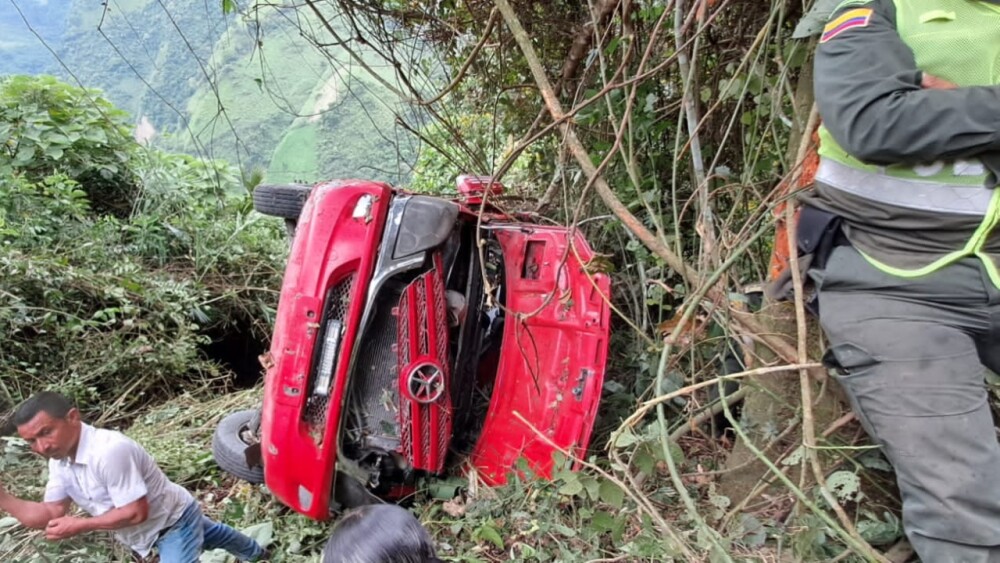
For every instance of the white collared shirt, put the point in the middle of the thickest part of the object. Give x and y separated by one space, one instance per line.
109 471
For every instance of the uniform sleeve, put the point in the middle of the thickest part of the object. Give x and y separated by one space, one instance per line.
55 491
869 95
120 470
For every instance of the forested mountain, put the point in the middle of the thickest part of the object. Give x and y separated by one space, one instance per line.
215 85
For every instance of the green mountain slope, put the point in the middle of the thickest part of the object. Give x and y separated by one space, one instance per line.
251 91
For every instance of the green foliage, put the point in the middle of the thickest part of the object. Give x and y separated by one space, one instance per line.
116 308
47 128
305 122
646 447
37 213
882 530
295 157
441 160
574 517
357 136
846 485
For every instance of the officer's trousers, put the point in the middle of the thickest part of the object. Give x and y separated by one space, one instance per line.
911 354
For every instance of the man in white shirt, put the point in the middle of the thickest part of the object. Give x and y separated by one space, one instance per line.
116 482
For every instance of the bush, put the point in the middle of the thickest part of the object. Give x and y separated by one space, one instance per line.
118 261
47 127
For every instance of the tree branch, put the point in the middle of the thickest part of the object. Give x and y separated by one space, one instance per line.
745 321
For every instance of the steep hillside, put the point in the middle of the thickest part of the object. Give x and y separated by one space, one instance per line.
214 85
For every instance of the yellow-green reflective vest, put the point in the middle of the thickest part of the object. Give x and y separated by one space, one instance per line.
965 26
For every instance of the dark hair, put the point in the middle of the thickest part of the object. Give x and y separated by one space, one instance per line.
51 403
379 533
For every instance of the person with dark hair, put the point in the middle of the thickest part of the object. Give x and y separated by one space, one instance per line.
116 482
379 533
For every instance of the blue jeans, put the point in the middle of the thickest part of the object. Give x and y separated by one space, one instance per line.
193 533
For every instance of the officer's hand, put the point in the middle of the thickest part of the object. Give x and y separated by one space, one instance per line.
63 527
931 82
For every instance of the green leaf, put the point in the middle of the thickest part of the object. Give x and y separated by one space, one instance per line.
793 458
612 494
489 533
571 488
55 153
559 460
625 439
591 485
564 530
96 135
228 6
873 459
57 138
603 522
845 484
880 532
645 461
564 475
719 501
753 531
8 522
24 155
654 445
262 533
613 45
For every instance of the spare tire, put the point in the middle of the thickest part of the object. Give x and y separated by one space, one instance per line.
235 434
277 200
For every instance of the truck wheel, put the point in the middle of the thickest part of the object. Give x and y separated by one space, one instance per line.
284 201
236 433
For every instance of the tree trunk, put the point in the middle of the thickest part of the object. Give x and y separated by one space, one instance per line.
773 405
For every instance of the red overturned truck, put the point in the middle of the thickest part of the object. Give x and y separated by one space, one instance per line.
417 335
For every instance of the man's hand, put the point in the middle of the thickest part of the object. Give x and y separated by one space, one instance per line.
931 82
64 527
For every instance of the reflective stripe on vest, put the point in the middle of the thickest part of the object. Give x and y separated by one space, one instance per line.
902 192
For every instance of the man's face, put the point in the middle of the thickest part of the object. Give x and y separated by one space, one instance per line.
52 438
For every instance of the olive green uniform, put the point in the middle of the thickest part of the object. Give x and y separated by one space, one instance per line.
912 306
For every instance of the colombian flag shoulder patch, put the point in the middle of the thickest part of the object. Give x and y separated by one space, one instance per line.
858 17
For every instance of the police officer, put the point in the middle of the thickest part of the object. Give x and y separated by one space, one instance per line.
909 97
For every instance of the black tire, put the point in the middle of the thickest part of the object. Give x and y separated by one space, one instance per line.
284 201
229 446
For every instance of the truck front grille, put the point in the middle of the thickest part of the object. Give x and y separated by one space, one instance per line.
338 301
